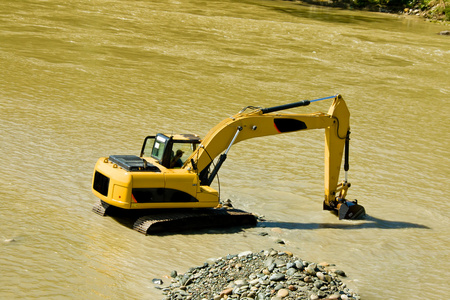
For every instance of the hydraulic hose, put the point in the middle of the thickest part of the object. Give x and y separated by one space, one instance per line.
292 105
346 154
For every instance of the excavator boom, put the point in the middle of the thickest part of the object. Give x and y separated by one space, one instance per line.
268 121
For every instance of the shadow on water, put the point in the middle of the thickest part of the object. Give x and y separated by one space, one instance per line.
367 223
127 219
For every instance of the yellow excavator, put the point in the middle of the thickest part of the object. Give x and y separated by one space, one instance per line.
171 178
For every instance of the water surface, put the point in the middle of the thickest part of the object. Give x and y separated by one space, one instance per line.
81 80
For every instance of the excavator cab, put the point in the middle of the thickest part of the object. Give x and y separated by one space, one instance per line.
164 148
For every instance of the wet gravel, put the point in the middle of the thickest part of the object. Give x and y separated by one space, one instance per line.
266 275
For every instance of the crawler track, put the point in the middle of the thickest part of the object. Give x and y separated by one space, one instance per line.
162 221
207 218
100 208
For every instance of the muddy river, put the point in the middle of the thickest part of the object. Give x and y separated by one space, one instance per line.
85 79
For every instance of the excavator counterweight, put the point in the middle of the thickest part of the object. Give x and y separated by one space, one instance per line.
175 172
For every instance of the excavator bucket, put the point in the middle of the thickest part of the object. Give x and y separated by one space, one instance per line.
351 210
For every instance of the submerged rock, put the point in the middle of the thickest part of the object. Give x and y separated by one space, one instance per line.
157 281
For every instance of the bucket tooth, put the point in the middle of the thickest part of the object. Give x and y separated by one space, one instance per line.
351 210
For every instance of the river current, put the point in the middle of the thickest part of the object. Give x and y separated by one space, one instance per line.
85 79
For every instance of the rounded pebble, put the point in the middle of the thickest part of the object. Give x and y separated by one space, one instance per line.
282 293
226 292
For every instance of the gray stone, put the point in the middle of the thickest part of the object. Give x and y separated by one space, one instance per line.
277 277
340 273
319 283
291 271
186 279
245 253
240 282
243 288
183 293
268 261
280 263
272 267
278 287
299 264
301 283
311 270
265 282
321 294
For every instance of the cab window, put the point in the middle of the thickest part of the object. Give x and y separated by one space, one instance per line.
184 149
158 147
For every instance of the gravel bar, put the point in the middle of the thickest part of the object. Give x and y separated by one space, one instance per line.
266 275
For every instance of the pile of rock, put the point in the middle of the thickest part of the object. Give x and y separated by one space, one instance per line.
269 274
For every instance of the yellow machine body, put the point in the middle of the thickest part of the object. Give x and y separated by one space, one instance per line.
170 188
173 171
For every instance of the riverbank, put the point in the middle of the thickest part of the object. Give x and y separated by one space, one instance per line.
268 274
432 10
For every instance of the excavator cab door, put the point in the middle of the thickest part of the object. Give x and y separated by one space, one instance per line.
157 148
147 146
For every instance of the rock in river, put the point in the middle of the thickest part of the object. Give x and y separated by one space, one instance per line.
220 279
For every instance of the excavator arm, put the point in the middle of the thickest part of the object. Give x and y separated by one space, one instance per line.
261 122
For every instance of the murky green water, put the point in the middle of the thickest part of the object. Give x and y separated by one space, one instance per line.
84 79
